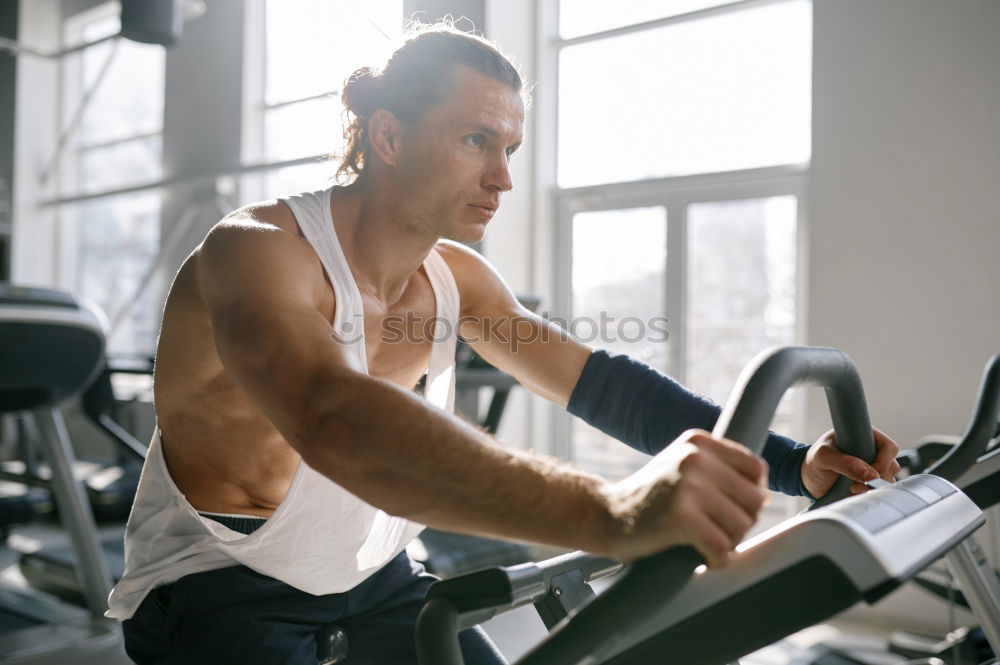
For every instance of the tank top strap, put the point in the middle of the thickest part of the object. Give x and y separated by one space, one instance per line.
440 387
312 212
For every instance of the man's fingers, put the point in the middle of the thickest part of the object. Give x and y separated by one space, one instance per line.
732 516
743 492
735 455
709 539
847 465
885 459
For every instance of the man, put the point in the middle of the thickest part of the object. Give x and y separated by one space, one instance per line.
293 461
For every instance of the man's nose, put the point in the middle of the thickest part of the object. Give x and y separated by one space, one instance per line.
498 177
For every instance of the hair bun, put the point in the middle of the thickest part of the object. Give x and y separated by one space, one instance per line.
359 91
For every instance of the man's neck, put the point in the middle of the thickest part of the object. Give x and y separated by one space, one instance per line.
382 251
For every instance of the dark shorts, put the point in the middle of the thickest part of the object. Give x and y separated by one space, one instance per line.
235 615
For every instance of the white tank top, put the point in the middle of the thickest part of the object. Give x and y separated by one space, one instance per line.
321 539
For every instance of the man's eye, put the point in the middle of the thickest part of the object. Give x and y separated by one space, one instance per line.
475 139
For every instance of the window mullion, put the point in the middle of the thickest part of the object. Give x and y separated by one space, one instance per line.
675 293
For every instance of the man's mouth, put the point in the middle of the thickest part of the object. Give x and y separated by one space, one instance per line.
485 209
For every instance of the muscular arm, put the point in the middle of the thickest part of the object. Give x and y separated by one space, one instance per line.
379 441
620 396
543 357
394 450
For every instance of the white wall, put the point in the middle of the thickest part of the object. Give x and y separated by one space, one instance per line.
904 237
904 248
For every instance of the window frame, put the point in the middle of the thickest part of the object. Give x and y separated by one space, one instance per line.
69 243
256 107
253 149
674 193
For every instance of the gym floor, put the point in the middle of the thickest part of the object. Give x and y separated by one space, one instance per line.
30 537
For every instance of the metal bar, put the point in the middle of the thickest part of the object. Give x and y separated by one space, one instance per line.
771 373
669 184
976 439
25 479
113 142
74 122
16 48
186 179
980 586
74 511
667 20
177 231
320 95
166 252
437 634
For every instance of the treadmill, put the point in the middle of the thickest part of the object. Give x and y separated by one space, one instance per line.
668 608
110 490
51 345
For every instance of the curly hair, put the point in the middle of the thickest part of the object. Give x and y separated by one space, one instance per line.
414 79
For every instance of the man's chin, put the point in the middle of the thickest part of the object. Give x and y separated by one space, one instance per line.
467 234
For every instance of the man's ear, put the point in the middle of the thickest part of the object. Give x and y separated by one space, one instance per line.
384 136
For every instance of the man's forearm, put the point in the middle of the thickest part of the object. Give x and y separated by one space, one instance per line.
415 461
646 409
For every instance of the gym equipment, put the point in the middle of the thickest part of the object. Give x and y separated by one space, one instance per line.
50 349
953 458
110 482
110 487
972 462
804 570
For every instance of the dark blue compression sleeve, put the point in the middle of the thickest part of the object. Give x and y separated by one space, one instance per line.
646 409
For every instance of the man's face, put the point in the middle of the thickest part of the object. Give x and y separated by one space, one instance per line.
453 163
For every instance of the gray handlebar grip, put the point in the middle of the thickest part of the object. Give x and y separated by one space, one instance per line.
771 373
977 436
649 583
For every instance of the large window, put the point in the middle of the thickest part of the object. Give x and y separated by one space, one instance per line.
111 138
680 162
294 82
721 93
618 294
739 291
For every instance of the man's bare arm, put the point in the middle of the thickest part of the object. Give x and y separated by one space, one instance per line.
538 353
395 451
381 442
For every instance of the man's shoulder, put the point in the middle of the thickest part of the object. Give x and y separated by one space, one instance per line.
254 242
468 266
263 226
477 280
462 256
272 212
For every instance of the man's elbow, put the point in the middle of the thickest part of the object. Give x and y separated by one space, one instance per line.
325 440
329 426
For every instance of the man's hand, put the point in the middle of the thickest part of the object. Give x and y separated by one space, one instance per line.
700 490
824 463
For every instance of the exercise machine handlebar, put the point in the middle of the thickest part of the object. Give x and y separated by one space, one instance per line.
771 373
976 439
453 605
